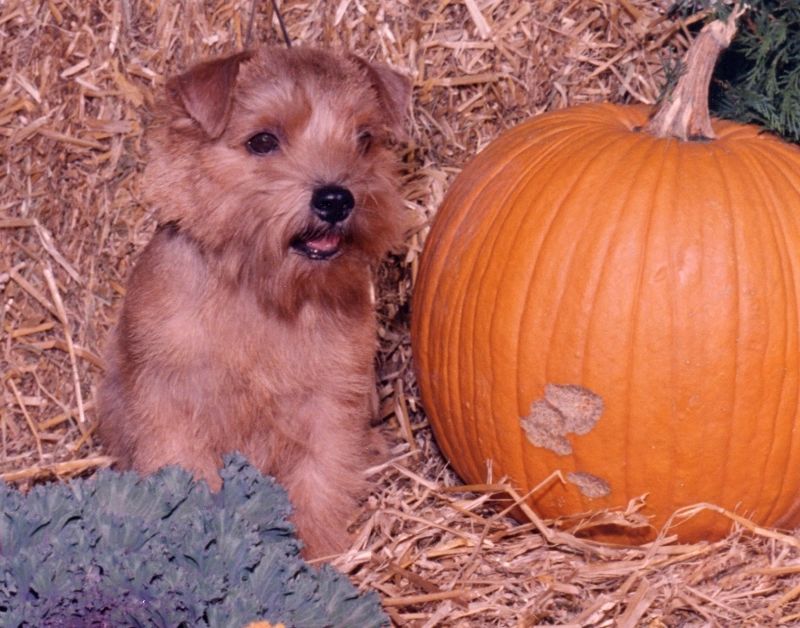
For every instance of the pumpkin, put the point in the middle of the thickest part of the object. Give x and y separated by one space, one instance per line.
616 296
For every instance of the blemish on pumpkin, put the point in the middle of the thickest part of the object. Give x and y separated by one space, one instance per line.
545 427
565 409
590 485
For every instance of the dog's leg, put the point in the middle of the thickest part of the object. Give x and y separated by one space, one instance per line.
163 427
323 491
325 480
177 447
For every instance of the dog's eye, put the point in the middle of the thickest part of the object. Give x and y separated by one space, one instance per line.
262 143
364 141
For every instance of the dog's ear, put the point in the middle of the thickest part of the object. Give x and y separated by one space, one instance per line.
205 92
394 92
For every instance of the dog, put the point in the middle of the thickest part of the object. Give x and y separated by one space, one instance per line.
248 322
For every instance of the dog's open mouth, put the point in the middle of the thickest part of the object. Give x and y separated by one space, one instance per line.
318 246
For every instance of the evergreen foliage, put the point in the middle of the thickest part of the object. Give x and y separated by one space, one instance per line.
758 77
120 550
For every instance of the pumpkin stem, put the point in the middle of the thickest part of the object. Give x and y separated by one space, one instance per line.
684 114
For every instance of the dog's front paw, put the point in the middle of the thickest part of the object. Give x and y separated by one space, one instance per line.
377 450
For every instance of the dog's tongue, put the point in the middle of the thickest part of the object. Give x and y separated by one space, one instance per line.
328 242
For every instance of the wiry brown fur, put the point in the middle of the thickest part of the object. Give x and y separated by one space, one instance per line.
229 339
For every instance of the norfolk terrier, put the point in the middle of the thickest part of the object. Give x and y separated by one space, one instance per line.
249 322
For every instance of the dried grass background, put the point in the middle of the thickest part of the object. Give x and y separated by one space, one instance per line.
76 77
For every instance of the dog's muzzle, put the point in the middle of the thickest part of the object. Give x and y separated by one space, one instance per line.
332 204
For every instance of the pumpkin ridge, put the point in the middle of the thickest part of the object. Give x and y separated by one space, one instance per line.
730 132
634 325
533 268
555 210
722 486
523 404
431 267
476 472
476 171
790 275
765 146
476 273
700 226
466 275
644 146
521 440
617 157
778 245
673 249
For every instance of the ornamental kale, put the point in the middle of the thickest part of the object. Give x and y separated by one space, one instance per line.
121 550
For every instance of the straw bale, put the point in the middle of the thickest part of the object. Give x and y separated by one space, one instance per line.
76 79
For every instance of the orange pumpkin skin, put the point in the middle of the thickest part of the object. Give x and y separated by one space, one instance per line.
663 276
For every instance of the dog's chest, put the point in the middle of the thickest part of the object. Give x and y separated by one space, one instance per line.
318 349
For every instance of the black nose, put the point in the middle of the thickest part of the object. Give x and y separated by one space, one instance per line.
332 203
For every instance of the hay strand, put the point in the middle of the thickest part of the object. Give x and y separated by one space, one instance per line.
76 80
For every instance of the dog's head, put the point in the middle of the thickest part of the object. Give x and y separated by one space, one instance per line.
276 162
